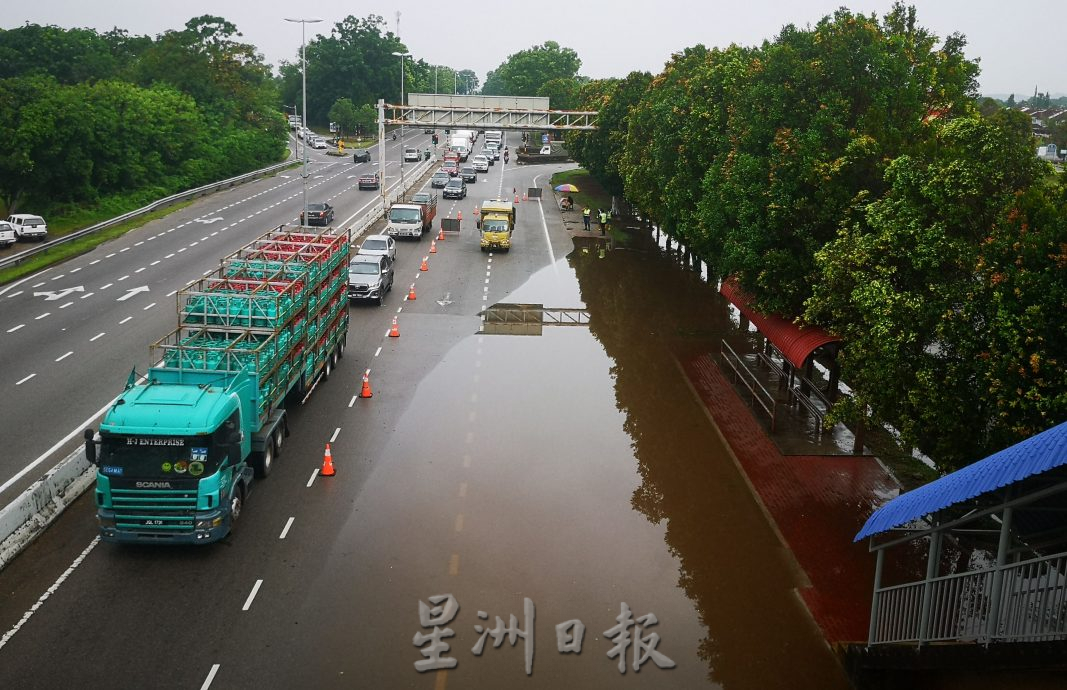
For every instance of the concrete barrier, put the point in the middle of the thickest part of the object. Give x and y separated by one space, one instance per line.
26 518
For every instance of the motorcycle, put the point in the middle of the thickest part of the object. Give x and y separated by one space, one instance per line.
505 156
394 136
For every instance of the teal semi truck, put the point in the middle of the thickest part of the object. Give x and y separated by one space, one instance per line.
177 451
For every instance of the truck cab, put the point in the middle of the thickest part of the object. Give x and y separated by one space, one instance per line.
496 224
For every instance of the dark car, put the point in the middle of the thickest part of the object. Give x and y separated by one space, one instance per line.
455 189
318 214
361 156
369 277
469 174
370 181
439 179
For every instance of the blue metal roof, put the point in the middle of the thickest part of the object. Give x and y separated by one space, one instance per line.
1035 455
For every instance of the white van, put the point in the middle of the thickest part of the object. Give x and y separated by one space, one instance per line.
494 136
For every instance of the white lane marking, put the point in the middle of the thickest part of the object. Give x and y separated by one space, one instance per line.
336 432
38 318
193 244
142 268
169 255
210 677
105 287
400 309
75 270
64 306
285 530
312 480
379 350
60 443
61 275
182 250
37 285
122 278
88 294
19 383
128 318
352 401
110 255
138 244
96 337
48 592
12 330
252 595
548 240
204 238
15 294
60 359
93 263
154 262
172 293
124 249
149 306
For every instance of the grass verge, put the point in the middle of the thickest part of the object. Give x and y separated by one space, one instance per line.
83 245
591 193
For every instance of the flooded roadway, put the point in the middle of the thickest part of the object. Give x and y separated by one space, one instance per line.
578 470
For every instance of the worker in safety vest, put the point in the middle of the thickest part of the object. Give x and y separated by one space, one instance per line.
603 220
587 214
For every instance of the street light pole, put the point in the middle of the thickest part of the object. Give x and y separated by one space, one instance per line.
304 115
402 56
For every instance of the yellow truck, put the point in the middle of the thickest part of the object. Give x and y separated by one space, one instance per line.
496 223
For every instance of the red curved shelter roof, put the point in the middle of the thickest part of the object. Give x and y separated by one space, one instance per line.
795 342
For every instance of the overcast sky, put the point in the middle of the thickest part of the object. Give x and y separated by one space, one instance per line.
612 37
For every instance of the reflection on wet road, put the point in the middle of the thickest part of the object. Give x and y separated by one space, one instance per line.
578 470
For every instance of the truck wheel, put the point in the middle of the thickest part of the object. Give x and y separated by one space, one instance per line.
327 369
263 463
279 439
237 503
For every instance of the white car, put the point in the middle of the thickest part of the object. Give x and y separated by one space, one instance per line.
378 245
411 155
481 163
28 226
7 234
318 143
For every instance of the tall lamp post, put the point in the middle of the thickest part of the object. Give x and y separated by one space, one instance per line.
402 56
304 115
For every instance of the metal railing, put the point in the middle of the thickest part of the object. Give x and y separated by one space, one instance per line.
154 206
1033 606
758 394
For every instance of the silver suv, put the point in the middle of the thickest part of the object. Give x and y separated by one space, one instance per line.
369 277
378 245
7 234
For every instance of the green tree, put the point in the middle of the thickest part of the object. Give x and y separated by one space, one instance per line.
345 115
600 151
949 292
525 72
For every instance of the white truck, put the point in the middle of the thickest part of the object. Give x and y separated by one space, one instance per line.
413 219
460 145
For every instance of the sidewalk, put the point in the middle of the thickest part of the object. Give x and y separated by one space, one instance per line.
818 504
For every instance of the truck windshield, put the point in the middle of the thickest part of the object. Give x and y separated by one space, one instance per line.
495 226
159 457
405 215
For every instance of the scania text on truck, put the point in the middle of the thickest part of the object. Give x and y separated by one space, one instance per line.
412 219
176 453
496 223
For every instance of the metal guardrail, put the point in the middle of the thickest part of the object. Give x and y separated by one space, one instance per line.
155 205
960 607
759 395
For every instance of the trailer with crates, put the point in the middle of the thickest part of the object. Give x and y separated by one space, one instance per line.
177 452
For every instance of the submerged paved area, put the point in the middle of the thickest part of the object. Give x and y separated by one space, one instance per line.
818 504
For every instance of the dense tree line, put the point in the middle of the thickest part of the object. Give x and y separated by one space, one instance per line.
355 61
90 115
844 173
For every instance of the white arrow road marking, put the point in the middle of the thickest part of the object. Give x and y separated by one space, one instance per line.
209 221
446 301
51 296
131 292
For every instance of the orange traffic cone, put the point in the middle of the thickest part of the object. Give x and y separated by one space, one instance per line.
411 293
424 267
394 332
476 211
441 234
366 391
459 215
516 198
433 246
327 464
